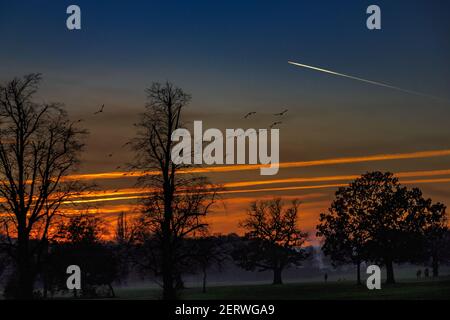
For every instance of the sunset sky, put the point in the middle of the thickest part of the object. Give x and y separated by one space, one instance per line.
232 58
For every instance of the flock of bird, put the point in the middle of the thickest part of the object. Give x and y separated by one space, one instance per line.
246 116
96 113
275 123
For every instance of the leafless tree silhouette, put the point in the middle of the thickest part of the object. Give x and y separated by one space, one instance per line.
175 210
39 146
272 241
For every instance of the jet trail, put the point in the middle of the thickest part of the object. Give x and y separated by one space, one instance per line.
365 80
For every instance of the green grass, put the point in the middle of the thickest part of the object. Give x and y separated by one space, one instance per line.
429 289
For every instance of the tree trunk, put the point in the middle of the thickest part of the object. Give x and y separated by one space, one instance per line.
204 281
111 290
25 273
358 273
168 283
169 292
45 289
435 265
277 276
179 283
389 272
167 270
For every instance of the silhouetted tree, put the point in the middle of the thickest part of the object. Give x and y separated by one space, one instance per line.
174 210
207 252
273 241
79 242
377 218
124 238
39 146
123 229
153 147
344 240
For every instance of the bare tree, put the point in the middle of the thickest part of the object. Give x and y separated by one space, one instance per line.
123 232
209 251
273 240
174 210
39 146
79 240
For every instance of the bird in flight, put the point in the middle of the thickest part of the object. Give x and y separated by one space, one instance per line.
110 155
249 114
275 123
281 113
99 111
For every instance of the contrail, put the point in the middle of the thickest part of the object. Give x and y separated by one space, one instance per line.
365 80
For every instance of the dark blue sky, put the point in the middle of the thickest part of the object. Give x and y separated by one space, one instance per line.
232 57
203 44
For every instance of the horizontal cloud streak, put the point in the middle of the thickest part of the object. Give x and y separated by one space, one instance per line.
139 193
293 164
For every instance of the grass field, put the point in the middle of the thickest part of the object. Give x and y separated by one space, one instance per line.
407 289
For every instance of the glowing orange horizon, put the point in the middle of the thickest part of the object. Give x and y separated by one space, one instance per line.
226 219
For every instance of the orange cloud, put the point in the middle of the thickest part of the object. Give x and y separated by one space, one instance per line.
137 193
295 164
